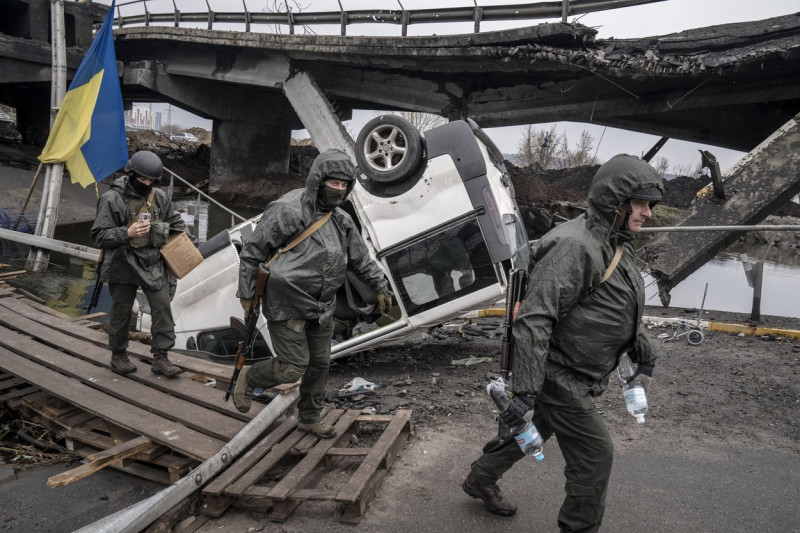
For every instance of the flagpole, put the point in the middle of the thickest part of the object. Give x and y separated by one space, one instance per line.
51 190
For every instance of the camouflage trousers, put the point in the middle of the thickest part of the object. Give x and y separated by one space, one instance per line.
302 349
585 443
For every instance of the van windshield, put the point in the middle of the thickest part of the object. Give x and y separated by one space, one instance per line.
442 266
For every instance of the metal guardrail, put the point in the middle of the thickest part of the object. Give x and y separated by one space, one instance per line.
208 198
401 17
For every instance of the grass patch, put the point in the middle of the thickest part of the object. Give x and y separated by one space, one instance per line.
664 215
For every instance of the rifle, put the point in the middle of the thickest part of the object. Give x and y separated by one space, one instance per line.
517 283
98 285
249 333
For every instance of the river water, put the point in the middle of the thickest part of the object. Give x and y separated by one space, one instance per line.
68 283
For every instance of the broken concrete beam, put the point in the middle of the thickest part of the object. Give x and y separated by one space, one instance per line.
759 183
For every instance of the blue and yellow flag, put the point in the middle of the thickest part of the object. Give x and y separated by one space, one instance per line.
89 131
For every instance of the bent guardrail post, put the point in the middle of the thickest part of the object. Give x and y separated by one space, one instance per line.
139 515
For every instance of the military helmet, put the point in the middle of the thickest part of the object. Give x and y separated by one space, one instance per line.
145 164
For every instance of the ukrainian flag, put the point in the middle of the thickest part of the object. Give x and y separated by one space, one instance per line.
89 131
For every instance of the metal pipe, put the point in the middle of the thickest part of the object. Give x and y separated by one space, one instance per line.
37 241
776 227
139 515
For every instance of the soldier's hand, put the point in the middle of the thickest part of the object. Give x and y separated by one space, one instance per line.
514 415
643 374
384 302
137 229
247 304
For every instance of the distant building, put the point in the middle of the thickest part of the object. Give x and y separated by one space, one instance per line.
142 118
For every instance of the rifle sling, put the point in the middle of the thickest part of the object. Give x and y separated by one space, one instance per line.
300 238
614 262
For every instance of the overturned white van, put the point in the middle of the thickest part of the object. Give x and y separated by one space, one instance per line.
438 213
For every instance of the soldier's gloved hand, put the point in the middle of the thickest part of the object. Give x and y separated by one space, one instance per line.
643 374
247 304
384 302
514 415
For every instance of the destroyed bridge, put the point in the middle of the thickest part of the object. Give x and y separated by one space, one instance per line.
731 86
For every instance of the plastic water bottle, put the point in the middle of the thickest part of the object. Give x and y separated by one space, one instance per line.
633 392
526 434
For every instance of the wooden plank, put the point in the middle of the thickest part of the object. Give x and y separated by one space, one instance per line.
12 274
102 442
188 363
99 461
349 452
136 469
351 492
78 419
47 310
17 393
284 488
185 440
5 293
216 502
275 455
9 382
250 458
160 403
78 347
99 314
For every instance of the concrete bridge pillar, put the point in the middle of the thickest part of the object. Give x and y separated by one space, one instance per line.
248 150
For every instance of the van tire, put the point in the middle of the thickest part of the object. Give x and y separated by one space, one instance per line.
388 149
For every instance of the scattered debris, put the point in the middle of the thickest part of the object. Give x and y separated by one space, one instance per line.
469 361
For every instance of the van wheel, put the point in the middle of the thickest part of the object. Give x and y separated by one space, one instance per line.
388 149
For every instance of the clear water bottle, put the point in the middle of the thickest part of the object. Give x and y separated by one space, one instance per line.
632 391
526 434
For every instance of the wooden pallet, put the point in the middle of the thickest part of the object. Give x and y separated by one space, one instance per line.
289 467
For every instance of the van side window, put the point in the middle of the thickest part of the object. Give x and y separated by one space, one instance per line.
442 266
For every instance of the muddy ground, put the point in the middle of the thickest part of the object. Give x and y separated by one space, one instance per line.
729 389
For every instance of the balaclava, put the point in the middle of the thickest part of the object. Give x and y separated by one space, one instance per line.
139 187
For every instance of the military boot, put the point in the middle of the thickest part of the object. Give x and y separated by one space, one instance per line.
162 366
491 496
242 392
121 364
320 429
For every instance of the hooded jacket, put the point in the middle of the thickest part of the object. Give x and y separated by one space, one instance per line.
303 281
123 264
571 328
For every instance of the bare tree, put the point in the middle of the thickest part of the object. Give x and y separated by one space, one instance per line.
550 149
661 165
693 171
422 121
537 146
286 6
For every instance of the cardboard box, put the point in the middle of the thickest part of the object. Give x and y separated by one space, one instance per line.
180 254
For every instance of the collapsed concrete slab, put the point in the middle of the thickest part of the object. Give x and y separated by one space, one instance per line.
760 182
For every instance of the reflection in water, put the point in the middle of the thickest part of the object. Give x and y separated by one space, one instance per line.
727 285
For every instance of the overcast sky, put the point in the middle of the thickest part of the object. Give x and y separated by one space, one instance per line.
659 18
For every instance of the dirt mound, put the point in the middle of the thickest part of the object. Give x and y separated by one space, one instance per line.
257 194
532 188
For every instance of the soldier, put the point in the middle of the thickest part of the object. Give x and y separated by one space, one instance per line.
132 223
582 310
301 291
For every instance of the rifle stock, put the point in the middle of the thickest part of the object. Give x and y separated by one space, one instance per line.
248 335
518 280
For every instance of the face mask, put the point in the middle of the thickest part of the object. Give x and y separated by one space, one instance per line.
330 199
139 187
